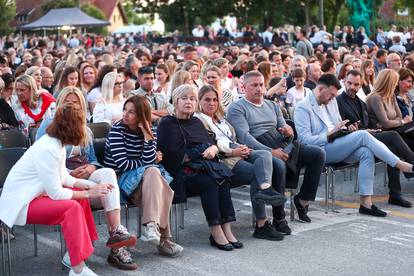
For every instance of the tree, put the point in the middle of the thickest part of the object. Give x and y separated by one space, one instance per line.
8 11
96 13
131 13
58 4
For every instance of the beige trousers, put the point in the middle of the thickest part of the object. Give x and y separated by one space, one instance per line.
155 198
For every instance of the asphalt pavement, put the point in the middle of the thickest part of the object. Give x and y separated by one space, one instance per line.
338 243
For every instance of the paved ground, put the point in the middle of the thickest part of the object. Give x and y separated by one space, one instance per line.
337 243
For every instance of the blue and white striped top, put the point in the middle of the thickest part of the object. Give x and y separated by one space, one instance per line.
125 151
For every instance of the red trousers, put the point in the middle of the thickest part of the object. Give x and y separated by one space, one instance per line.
76 219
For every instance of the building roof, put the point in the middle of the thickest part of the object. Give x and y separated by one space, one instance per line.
64 17
108 7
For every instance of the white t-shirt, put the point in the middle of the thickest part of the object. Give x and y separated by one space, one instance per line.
94 96
294 96
324 114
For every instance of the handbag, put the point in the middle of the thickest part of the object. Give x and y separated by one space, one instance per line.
75 162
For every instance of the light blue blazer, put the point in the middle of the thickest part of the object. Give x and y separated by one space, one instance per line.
311 127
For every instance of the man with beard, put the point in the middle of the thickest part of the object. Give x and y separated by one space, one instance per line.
352 108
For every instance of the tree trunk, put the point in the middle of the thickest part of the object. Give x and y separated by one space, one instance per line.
307 18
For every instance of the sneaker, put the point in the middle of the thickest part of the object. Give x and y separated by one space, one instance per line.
267 232
302 211
151 233
120 238
269 196
66 260
121 259
169 248
85 272
282 227
374 211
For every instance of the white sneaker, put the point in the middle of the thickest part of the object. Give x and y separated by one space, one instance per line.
85 272
66 260
150 233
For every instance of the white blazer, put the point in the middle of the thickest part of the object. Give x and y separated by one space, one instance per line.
42 169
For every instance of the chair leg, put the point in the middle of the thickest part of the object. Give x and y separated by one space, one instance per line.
3 257
333 190
139 226
292 208
8 250
62 246
177 229
127 217
182 207
385 176
327 178
35 240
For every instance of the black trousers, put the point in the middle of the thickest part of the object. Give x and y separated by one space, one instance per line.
215 199
313 159
393 140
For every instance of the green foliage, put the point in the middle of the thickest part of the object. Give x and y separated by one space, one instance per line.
98 14
132 14
403 4
8 11
58 4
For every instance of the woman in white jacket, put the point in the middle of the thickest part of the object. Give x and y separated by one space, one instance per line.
39 189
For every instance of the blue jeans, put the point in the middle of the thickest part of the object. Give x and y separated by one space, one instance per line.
254 171
360 146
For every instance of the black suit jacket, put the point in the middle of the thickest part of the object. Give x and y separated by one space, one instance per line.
350 112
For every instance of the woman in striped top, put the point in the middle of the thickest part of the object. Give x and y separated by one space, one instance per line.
131 150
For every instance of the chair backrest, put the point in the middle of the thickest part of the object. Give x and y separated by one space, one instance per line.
8 157
99 147
12 139
100 130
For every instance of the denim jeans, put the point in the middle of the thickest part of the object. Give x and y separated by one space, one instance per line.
363 147
254 171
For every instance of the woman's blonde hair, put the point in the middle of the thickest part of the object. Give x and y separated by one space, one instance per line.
107 87
385 84
181 91
219 114
30 83
68 90
179 78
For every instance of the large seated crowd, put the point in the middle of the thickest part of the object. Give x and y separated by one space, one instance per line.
191 120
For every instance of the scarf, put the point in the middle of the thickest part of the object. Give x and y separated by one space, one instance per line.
47 99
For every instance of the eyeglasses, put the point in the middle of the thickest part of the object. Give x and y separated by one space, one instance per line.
120 83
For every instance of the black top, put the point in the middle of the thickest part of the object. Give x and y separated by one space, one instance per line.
175 136
310 84
7 117
353 109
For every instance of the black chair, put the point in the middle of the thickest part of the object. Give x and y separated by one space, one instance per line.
13 139
99 148
100 130
8 157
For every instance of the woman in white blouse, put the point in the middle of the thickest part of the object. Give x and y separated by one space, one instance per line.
109 108
249 166
39 189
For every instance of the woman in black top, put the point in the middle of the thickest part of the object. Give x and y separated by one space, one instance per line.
7 118
185 145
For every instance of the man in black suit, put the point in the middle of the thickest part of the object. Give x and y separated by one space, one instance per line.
354 109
